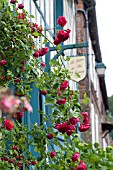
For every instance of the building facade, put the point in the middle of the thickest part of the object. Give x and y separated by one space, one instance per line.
94 85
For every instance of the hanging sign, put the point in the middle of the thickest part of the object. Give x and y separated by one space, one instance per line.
77 68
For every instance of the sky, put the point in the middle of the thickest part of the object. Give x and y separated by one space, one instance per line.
104 12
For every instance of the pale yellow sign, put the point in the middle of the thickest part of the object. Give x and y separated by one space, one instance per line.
77 68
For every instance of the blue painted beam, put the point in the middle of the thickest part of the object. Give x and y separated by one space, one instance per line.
64 47
43 17
70 46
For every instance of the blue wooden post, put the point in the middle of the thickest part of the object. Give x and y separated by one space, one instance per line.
47 59
58 11
35 102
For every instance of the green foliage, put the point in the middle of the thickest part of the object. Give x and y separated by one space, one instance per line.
17 46
36 136
86 99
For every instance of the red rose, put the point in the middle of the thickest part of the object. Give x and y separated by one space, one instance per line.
21 16
17 80
64 85
84 114
69 132
52 154
74 120
86 120
82 166
13 1
20 164
50 136
43 92
4 159
15 148
61 127
33 162
84 127
61 101
63 35
21 6
18 157
57 41
65 127
61 21
2 62
75 157
8 124
43 51
35 27
36 54
20 115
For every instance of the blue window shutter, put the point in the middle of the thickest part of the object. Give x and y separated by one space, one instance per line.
35 102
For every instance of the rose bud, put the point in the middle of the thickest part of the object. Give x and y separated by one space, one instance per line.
21 6
13 1
43 92
15 148
43 64
17 80
52 154
50 136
